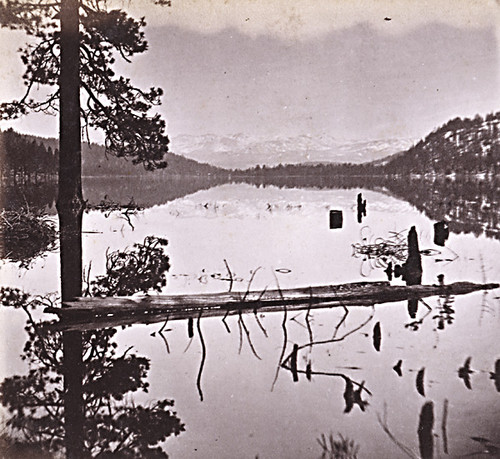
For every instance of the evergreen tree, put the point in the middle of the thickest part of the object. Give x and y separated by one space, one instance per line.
110 102
75 44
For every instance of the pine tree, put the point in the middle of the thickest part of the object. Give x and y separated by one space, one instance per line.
75 46
90 38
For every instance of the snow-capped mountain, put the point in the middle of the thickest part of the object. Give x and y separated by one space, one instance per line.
242 151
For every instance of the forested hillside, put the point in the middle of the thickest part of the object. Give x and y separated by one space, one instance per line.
462 146
27 158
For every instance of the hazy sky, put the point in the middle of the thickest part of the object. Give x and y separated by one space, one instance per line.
275 68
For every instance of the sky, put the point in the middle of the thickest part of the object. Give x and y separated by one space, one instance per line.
350 69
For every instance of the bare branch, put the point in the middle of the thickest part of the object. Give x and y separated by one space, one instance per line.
203 356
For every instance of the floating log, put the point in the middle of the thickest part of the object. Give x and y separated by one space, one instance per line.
88 313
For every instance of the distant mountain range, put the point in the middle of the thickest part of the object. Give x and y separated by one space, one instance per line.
461 146
469 147
242 151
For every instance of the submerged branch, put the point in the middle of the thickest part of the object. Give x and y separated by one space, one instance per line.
260 324
346 312
250 282
230 274
240 319
443 426
334 340
285 335
346 378
225 323
163 337
240 329
401 446
203 356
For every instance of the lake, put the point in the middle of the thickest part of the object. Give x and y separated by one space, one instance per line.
387 381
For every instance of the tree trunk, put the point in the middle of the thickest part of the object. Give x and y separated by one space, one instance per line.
70 201
70 210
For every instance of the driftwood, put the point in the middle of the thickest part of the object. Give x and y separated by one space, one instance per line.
88 313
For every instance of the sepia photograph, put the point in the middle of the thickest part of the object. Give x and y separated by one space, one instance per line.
256 229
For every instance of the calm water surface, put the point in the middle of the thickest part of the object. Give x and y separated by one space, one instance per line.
241 405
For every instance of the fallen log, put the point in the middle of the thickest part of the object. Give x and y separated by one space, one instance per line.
88 313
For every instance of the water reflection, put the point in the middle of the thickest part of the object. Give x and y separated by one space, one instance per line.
425 433
495 375
113 425
75 398
441 233
110 376
413 308
42 196
354 390
341 448
378 362
468 205
415 324
411 270
360 208
377 337
146 191
445 312
398 368
25 235
420 382
464 373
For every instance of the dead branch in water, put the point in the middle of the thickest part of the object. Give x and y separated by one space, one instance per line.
230 274
108 206
335 340
203 356
385 428
344 317
285 334
247 333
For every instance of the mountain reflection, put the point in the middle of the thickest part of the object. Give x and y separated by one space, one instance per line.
114 425
466 205
469 205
